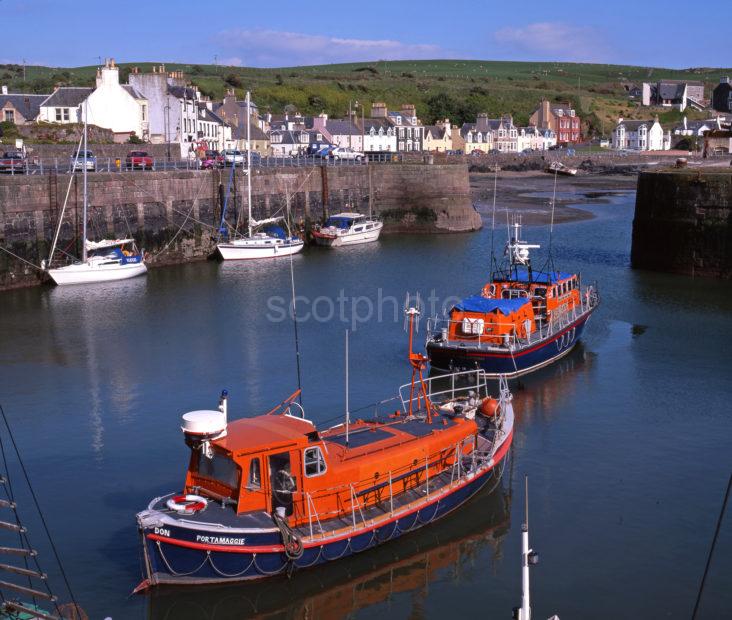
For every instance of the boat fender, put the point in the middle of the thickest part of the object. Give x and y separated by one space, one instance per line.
187 503
489 407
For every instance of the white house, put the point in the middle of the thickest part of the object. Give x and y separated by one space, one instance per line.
379 136
534 138
640 136
212 130
173 107
287 142
407 127
63 105
115 106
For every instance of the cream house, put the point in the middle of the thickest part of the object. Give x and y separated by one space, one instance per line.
438 137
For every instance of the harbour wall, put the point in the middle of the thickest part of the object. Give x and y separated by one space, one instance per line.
173 215
683 222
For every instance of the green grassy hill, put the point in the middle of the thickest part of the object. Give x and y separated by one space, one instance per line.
458 89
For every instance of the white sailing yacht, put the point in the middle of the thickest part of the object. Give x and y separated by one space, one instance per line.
263 244
101 261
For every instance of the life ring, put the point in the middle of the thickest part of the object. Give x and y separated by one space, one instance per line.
489 407
187 504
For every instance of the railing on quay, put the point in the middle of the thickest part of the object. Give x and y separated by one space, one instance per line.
61 165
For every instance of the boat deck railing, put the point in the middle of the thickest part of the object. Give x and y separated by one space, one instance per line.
396 491
438 328
445 387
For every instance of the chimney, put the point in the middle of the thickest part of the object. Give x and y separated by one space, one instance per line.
378 110
5 89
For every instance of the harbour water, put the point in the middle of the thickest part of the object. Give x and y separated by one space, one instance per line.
626 441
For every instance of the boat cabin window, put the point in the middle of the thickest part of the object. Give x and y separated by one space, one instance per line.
358 229
540 292
314 462
220 468
513 293
255 474
473 327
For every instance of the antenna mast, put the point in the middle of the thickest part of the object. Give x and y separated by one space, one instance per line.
348 415
86 196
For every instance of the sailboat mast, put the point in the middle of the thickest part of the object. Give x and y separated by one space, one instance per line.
84 163
249 165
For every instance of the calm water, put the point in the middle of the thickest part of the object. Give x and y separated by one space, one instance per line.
627 442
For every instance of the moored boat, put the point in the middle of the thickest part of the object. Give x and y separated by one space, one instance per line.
347 229
557 167
523 319
269 494
105 261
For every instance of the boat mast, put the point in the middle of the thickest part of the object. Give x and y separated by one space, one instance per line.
83 236
493 218
525 612
348 414
249 166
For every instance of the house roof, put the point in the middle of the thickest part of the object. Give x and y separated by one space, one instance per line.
28 105
338 127
437 133
671 90
182 92
294 136
634 125
67 97
376 123
133 91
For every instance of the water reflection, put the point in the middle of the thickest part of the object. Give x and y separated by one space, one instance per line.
440 552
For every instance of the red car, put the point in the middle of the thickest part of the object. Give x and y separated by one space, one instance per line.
211 159
139 160
12 163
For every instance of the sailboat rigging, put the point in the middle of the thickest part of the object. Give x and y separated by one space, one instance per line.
101 261
269 243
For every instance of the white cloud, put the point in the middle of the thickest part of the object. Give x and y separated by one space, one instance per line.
554 41
279 48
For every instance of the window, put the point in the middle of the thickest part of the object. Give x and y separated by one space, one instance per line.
255 474
65 112
144 113
314 462
219 468
9 116
58 115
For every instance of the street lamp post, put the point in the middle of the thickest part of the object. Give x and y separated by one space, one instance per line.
166 111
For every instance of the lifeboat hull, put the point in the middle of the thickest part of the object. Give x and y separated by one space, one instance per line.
185 554
500 361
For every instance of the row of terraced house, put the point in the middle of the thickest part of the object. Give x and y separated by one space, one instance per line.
163 107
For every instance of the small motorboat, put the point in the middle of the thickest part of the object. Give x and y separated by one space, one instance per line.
270 494
523 319
347 229
557 167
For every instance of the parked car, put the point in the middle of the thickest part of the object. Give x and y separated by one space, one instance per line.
13 162
81 159
341 153
139 160
211 159
233 157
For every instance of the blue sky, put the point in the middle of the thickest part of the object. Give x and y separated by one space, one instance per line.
642 32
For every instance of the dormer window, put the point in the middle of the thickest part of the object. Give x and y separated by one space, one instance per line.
571 112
